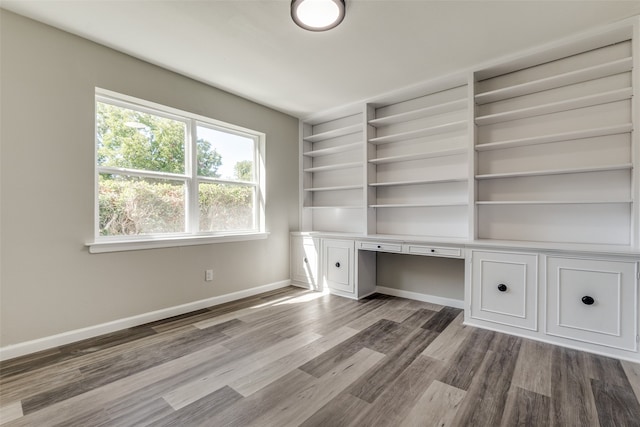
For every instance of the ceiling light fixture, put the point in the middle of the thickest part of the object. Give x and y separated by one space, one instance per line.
317 15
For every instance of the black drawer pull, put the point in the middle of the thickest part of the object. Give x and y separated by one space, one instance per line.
433 250
379 246
337 265
306 260
588 300
502 287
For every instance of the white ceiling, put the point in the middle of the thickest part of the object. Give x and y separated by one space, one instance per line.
253 49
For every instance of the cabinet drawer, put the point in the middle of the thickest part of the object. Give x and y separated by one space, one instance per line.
504 288
382 247
433 251
592 301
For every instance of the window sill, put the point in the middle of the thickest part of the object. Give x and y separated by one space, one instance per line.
141 244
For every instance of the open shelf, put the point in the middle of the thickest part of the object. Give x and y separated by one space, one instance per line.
554 107
551 202
420 205
332 207
565 136
419 113
334 133
555 171
336 188
337 166
419 156
564 79
432 130
416 182
333 150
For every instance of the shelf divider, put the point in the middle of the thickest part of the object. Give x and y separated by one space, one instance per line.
555 171
554 107
459 104
557 137
333 150
347 130
432 130
419 156
553 82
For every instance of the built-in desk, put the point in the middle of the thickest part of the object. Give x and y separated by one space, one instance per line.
583 297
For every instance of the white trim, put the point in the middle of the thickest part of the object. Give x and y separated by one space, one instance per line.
190 178
170 242
434 299
28 347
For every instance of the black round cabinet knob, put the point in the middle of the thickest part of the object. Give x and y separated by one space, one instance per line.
337 264
306 260
502 287
588 300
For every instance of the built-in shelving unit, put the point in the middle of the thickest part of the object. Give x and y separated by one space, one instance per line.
554 148
540 147
332 173
417 163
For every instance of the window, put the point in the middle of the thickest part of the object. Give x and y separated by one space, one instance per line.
164 173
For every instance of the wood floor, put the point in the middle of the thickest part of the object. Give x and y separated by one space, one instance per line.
292 357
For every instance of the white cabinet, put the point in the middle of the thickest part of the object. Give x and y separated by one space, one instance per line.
304 261
593 301
504 288
338 264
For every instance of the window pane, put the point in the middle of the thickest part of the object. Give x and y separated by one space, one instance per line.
135 140
132 205
225 155
226 207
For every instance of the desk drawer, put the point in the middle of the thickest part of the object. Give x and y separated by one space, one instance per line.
380 247
433 251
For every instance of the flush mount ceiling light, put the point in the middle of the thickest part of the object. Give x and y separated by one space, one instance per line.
317 15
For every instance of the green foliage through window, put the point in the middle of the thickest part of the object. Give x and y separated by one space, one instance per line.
134 202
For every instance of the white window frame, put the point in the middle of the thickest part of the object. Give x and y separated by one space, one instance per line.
192 235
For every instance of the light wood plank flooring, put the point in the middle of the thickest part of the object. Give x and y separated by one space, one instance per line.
293 357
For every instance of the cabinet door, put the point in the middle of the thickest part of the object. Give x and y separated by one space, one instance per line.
592 301
504 288
304 260
338 262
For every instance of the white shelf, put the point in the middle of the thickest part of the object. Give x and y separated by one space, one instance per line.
551 202
565 136
446 107
555 171
420 205
347 130
419 156
332 207
433 130
554 107
333 150
565 79
423 181
336 188
334 167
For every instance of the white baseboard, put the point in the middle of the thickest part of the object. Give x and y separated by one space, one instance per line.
450 302
28 347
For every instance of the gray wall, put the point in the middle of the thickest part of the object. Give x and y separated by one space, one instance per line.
49 282
442 277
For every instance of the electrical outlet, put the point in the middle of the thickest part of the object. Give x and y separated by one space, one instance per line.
208 275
